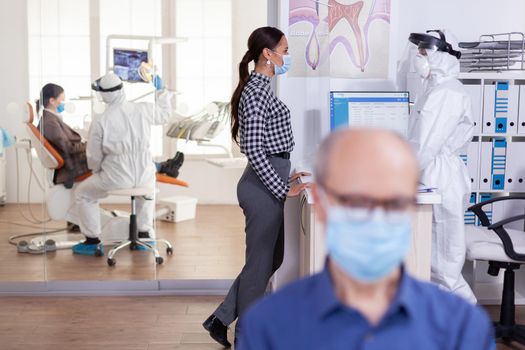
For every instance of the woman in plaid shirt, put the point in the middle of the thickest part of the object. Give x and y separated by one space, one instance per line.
261 125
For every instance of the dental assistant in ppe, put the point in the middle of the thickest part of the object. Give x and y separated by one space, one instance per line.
365 192
118 153
261 124
441 127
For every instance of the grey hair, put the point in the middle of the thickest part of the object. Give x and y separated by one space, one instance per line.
322 157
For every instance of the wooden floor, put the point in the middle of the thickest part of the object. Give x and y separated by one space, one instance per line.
209 247
117 323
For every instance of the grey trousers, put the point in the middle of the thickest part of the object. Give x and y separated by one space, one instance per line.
264 216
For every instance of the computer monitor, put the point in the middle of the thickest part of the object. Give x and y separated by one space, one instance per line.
126 63
374 109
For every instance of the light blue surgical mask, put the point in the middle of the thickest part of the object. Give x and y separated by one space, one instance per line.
287 62
368 246
61 107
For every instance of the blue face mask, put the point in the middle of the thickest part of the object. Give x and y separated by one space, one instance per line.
287 62
368 246
61 107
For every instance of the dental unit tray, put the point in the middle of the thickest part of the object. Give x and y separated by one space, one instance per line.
203 126
494 52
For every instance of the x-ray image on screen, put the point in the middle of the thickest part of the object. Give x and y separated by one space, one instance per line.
126 63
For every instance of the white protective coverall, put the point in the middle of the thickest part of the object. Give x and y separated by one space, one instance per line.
118 153
440 128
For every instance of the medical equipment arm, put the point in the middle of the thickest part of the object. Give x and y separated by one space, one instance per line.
94 152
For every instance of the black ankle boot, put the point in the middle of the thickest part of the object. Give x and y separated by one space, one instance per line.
169 169
218 331
178 158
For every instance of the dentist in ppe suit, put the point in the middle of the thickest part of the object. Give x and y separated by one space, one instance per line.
440 128
118 153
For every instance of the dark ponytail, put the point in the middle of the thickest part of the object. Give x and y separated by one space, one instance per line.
48 92
260 39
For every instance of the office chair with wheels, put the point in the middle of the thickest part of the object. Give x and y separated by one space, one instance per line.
134 241
502 248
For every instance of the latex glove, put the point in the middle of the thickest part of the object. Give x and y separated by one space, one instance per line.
157 82
295 190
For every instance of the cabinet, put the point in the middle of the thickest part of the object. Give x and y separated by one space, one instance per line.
495 160
312 251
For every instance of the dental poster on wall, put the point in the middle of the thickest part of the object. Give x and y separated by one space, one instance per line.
339 38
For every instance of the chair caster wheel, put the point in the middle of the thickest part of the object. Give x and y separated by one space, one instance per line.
98 252
112 262
159 260
169 251
133 246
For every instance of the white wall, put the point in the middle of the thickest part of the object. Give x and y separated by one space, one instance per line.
209 183
247 16
15 89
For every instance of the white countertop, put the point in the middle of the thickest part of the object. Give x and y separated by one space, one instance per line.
422 198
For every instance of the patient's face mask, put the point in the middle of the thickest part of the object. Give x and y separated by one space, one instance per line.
368 244
61 107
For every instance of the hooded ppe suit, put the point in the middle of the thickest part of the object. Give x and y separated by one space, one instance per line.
118 153
440 129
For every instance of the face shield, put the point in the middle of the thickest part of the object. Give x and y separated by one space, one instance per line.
426 55
428 43
108 88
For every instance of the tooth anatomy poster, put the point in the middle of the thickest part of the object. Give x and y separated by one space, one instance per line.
340 38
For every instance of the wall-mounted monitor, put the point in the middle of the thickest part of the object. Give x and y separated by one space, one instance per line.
126 63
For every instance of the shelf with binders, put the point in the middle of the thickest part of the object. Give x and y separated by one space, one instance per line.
495 156
495 159
497 104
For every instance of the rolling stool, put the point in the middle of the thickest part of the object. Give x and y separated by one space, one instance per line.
134 241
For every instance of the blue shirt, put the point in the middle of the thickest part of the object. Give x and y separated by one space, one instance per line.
308 315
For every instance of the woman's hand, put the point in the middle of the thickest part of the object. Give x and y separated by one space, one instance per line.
296 189
296 176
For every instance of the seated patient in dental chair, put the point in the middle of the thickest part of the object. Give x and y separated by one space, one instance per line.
68 143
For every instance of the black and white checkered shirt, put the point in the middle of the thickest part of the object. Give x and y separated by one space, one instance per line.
265 128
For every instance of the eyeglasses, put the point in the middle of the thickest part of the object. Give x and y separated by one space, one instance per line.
398 204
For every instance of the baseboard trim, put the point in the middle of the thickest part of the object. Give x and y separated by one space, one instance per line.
116 288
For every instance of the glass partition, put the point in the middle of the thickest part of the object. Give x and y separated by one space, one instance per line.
195 47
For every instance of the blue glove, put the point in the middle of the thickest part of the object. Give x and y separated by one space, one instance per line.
7 139
157 82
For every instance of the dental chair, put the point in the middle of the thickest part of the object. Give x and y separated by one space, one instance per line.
502 248
116 228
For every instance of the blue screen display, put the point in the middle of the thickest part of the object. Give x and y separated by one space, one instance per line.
126 64
388 110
